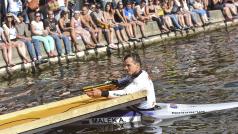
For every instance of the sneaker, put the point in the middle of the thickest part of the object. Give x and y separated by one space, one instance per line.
34 59
100 45
113 46
41 61
62 55
133 39
71 54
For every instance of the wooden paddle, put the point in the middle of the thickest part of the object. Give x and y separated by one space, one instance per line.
108 85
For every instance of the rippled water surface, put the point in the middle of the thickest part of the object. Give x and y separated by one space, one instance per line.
198 69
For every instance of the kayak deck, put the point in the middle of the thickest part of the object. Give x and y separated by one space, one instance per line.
59 113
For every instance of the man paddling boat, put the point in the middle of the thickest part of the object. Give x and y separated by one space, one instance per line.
136 80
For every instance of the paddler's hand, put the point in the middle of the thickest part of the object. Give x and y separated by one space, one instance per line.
94 93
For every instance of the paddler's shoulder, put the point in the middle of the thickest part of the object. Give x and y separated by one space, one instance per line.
144 74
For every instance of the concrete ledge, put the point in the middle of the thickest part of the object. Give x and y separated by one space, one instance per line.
216 16
151 30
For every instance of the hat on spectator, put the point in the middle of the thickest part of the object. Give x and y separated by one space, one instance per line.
77 12
9 15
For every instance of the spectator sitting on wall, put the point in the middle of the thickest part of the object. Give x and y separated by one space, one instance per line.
23 34
218 5
51 25
89 25
119 17
152 12
79 31
199 9
109 17
6 49
168 7
130 18
100 21
140 12
181 15
230 4
159 12
39 33
190 17
11 37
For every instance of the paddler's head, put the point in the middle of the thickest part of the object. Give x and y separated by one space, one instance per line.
132 63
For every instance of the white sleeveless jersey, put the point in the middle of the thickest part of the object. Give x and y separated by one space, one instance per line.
142 82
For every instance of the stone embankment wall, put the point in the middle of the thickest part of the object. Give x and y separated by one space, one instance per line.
151 29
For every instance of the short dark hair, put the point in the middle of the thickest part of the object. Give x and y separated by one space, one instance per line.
134 56
20 14
63 13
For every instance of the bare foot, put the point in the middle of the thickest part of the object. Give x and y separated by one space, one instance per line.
10 65
25 61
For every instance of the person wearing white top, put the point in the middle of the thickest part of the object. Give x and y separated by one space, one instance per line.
11 39
137 80
6 49
39 33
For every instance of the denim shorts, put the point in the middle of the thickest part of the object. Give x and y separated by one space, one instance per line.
118 27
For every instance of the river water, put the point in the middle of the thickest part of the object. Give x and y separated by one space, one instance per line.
198 69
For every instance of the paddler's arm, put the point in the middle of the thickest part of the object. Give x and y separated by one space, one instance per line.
123 81
131 88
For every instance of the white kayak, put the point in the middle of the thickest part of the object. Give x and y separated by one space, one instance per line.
161 112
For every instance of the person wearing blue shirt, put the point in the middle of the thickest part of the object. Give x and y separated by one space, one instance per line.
130 18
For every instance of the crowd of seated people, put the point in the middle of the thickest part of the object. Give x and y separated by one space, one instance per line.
59 30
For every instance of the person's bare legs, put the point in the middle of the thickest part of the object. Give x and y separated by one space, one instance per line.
22 50
7 52
142 28
74 35
133 24
111 36
227 13
4 52
188 19
118 34
233 10
181 20
168 22
107 34
93 36
123 35
128 30
99 34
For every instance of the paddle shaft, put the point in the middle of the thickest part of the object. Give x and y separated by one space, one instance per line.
103 87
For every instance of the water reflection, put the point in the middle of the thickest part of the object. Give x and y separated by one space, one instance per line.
198 69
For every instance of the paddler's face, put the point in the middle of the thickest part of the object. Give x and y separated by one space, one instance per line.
131 66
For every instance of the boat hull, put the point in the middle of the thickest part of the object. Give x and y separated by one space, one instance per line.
162 112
